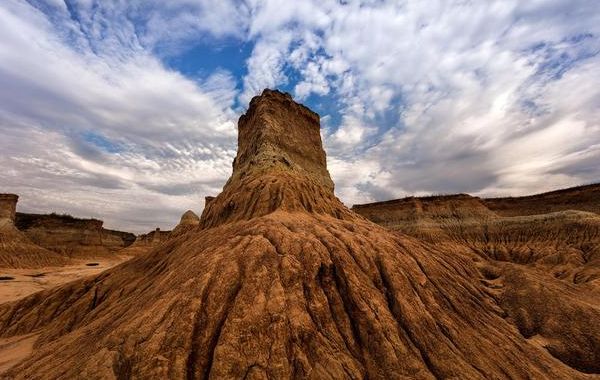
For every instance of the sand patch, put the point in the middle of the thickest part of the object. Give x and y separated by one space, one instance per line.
24 282
15 349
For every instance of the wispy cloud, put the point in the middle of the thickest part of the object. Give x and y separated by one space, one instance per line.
449 96
106 131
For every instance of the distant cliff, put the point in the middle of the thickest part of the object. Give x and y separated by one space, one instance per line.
70 236
16 249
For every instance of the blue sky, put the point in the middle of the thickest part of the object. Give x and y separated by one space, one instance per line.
126 110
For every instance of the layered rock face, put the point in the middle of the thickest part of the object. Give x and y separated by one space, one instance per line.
72 237
16 249
279 281
425 211
540 256
8 206
116 240
280 165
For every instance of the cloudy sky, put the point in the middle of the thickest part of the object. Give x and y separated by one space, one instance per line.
126 110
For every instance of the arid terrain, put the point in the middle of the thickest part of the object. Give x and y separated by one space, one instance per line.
279 279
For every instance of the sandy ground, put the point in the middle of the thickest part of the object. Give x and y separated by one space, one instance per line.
19 283
15 349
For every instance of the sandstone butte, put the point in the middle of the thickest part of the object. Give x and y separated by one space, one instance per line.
16 249
72 237
43 240
280 280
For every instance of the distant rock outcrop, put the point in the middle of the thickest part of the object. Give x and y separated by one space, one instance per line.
581 198
16 249
72 237
282 281
420 211
189 221
147 242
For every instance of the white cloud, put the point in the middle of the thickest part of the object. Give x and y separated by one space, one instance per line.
110 136
462 96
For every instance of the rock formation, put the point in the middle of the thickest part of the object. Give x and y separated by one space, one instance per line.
281 281
72 237
16 250
189 221
207 200
582 198
116 240
8 207
540 256
425 212
146 242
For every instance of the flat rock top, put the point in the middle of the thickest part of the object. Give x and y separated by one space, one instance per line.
276 131
280 165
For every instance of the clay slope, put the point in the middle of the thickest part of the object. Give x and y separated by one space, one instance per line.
543 270
280 281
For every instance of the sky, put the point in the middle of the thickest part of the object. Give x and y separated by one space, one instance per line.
126 111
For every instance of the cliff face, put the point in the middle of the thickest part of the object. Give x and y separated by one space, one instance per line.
72 237
280 165
16 249
117 240
280 280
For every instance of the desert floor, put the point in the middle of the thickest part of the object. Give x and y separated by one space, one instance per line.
19 283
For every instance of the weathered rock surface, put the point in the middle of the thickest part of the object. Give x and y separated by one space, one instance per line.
280 281
72 237
16 249
189 221
543 269
147 242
